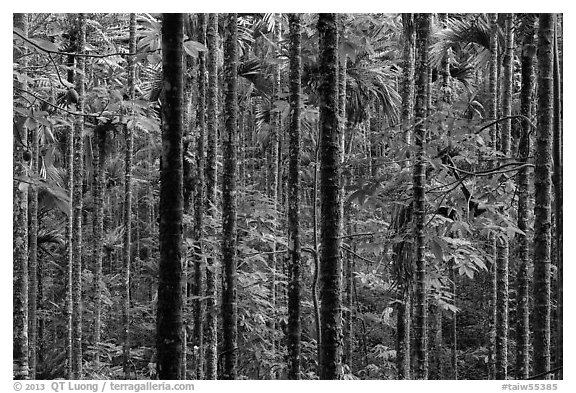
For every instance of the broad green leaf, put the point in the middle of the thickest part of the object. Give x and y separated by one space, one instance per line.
46 45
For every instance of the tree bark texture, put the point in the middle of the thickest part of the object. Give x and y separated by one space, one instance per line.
507 83
33 256
126 256
408 60
558 197
169 339
294 248
330 214
501 361
77 208
229 157
420 112
20 236
211 128
543 193
524 213
199 315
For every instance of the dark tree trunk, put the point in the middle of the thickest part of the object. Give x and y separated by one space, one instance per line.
33 256
501 362
420 112
198 336
543 193
273 175
169 318
99 175
558 202
403 318
524 214
20 235
128 205
330 214
409 35
502 248
212 124
294 324
507 83
77 209
229 157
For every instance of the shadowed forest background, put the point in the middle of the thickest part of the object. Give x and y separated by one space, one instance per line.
287 196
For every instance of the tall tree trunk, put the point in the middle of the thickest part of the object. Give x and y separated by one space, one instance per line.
524 214
99 168
435 337
403 316
33 256
169 318
198 336
212 124
229 157
492 115
128 205
502 298
420 112
507 83
543 191
274 143
558 202
501 362
77 208
20 234
454 325
294 324
409 58
330 214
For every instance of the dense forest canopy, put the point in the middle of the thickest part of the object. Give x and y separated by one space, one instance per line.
287 196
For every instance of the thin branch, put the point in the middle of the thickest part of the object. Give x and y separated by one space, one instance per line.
502 119
56 106
56 67
493 171
357 255
79 54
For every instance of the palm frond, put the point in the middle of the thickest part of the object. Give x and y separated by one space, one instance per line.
468 39
371 83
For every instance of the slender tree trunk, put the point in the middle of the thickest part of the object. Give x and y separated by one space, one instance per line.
273 189
128 206
169 318
409 58
502 298
99 165
524 214
420 341
558 202
435 337
77 209
20 234
212 124
199 260
294 324
543 191
403 349
507 83
33 256
454 326
493 78
229 156
501 363
330 214
492 115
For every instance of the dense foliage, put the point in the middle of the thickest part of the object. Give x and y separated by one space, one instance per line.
471 192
